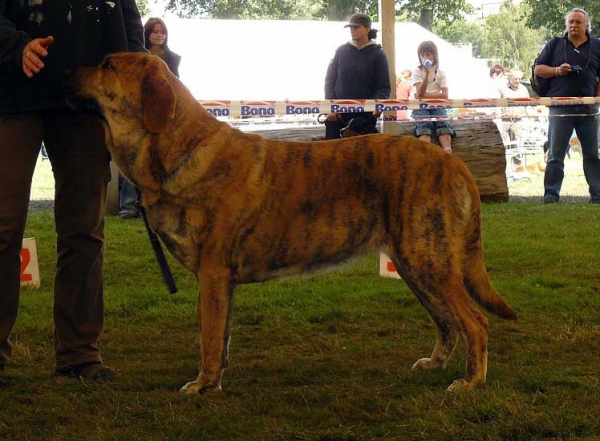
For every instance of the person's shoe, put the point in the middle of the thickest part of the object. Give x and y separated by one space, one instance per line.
89 371
594 201
127 216
550 200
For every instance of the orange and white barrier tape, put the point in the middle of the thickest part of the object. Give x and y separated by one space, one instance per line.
228 108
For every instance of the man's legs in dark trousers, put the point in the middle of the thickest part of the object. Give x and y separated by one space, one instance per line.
559 132
587 131
80 162
20 140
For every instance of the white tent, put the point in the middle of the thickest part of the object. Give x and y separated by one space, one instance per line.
278 60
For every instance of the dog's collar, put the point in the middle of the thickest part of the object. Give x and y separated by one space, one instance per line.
185 160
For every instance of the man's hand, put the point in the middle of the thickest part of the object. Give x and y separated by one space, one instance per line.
333 117
31 58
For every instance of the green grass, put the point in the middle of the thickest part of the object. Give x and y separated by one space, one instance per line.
325 357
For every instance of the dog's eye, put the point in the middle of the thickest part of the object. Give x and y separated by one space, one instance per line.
108 65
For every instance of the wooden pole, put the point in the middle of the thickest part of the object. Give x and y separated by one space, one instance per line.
387 19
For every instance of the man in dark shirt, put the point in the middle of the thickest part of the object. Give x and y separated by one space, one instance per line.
573 65
39 42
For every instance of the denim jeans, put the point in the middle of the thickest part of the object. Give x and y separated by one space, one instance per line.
563 120
127 199
431 127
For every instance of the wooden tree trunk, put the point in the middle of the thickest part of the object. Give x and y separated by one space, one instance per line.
426 19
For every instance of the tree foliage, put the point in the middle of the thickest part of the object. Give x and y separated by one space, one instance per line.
462 32
248 9
424 11
143 7
508 39
339 10
236 9
428 12
550 14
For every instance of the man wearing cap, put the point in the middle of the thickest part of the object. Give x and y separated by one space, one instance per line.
358 70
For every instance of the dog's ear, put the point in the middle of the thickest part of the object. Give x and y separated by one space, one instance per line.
158 100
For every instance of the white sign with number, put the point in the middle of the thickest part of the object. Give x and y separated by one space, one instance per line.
386 267
30 270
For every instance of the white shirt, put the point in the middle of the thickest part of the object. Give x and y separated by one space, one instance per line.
435 82
515 111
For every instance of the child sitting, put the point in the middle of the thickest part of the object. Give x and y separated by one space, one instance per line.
430 82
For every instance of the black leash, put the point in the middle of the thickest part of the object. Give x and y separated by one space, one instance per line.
158 251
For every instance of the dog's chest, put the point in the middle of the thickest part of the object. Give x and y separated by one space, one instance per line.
177 231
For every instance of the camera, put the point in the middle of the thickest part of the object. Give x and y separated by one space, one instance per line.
576 69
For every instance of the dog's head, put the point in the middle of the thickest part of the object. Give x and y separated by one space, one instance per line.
358 126
122 85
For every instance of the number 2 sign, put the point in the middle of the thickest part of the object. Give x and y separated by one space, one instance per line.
386 267
30 270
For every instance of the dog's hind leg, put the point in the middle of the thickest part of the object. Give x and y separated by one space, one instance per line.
447 333
447 338
214 315
446 300
473 326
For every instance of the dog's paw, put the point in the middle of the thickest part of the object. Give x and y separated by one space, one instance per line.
461 384
427 364
197 387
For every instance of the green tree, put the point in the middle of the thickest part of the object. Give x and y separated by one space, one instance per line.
428 12
247 9
233 9
509 40
423 11
143 7
273 9
550 14
462 32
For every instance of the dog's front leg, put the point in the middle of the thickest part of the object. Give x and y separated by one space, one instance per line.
214 315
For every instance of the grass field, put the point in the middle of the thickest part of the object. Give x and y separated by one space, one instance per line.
325 357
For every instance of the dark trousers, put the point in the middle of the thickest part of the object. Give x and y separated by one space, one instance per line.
563 120
80 163
332 128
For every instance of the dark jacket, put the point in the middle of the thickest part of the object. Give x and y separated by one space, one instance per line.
358 73
84 32
172 59
587 56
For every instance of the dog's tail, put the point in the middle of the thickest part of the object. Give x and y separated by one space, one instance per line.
476 278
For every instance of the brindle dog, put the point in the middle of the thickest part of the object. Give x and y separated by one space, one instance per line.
237 208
